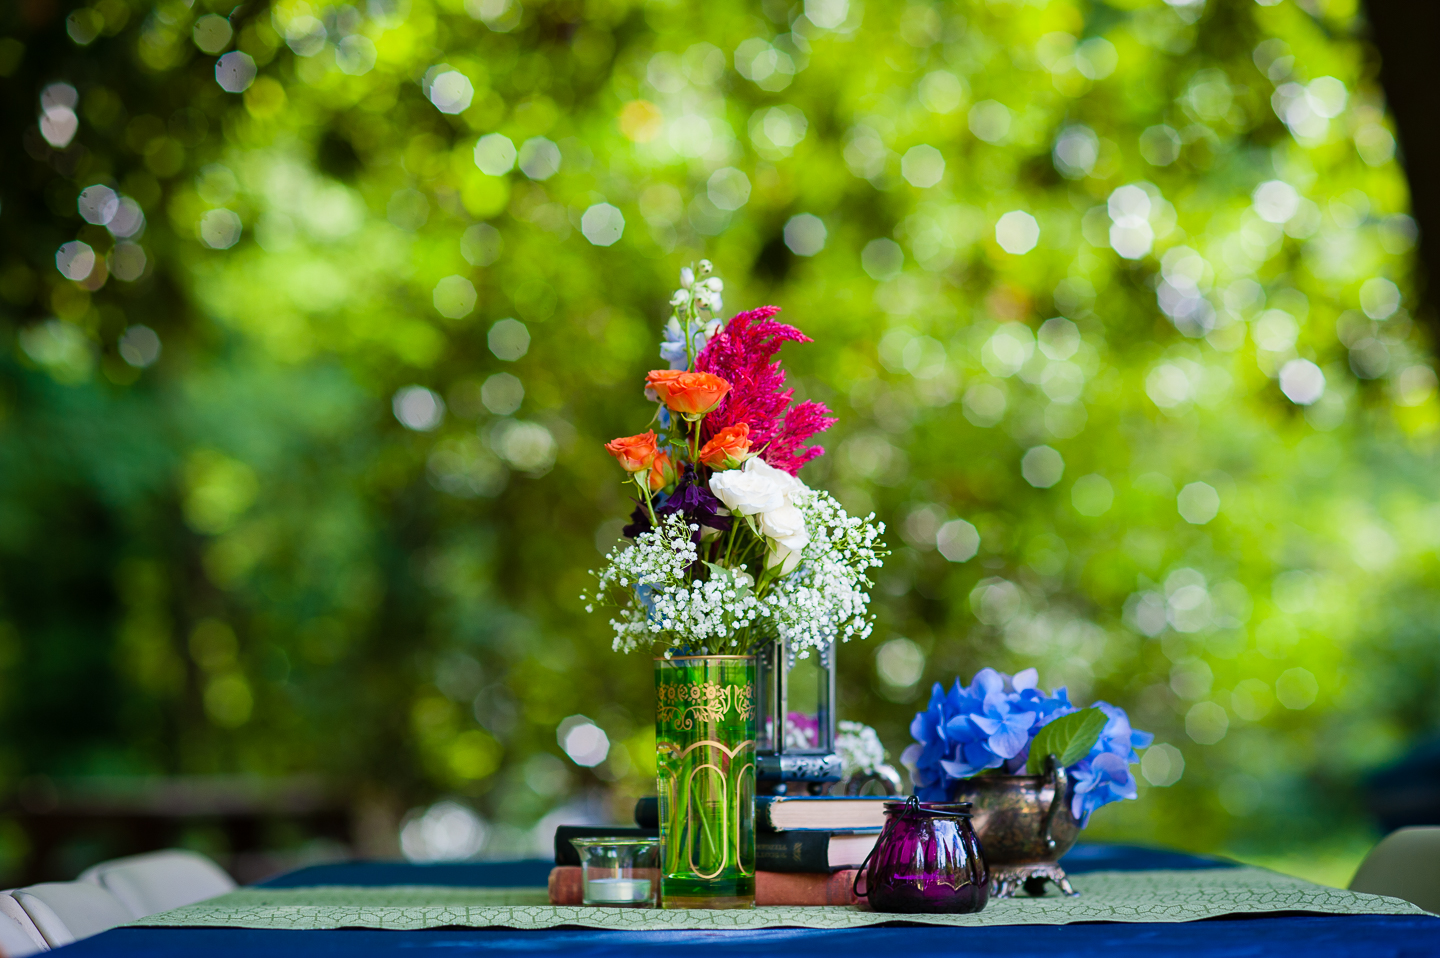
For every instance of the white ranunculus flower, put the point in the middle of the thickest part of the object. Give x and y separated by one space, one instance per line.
754 488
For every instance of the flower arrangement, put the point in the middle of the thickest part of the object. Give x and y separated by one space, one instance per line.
1004 724
729 549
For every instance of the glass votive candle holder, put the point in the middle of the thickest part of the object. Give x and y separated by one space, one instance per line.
619 872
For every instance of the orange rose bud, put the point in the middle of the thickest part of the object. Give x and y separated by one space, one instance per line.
690 394
634 453
728 447
663 472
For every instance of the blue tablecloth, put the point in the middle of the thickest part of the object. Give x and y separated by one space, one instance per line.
1361 936
1356 936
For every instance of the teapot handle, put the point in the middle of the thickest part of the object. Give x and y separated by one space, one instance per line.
1059 781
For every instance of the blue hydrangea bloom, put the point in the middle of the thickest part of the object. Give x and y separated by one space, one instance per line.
1008 730
990 724
1103 776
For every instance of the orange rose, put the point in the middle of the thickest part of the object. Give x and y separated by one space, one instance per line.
634 453
655 377
664 472
728 448
691 394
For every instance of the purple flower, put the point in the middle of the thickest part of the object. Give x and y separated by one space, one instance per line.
639 522
698 504
690 497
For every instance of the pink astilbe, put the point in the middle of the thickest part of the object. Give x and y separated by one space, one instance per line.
742 355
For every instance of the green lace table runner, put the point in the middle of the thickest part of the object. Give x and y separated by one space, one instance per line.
1150 896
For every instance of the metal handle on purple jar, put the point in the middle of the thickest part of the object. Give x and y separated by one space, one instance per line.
911 804
1058 781
855 883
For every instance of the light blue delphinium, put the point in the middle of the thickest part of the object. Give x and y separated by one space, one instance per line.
672 348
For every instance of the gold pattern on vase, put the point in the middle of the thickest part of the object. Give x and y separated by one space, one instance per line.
711 702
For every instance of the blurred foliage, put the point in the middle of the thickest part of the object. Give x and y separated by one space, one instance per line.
234 538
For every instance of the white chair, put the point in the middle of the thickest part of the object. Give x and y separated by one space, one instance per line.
1405 864
18 935
159 881
65 912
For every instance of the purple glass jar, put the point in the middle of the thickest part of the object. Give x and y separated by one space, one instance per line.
927 859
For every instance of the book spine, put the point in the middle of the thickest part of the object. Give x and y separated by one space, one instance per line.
565 885
777 888
762 813
647 812
792 851
863 814
771 888
565 853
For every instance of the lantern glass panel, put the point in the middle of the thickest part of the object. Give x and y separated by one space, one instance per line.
795 700
769 697
807 705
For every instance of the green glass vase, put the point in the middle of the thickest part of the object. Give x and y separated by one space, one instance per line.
705 758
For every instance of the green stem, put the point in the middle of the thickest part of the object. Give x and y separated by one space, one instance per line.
689 320
642 480
678 814
709 827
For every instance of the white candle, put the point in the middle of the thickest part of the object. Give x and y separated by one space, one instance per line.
616 891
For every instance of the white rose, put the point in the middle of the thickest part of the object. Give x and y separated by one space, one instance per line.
754 488
786 526
789 485
787 559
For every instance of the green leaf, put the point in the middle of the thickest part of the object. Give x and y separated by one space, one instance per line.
1068 738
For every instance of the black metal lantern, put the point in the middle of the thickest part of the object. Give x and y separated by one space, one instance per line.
795 747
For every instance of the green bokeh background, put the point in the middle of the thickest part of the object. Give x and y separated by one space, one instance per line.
237 559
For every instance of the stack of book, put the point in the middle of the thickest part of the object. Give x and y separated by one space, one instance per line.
807 848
